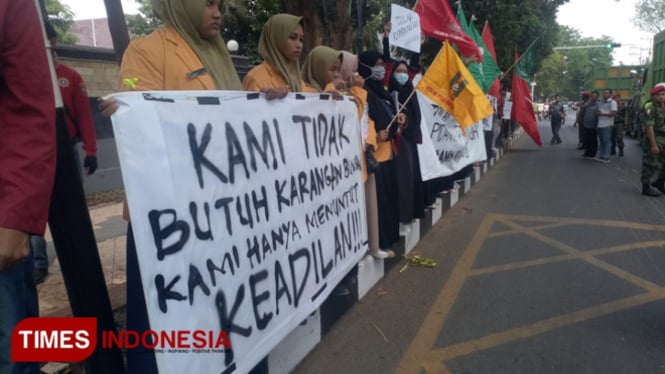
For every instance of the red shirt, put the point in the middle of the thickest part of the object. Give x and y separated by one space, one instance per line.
75 98
27 120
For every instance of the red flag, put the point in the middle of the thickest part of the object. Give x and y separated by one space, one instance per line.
522 110
495 90
438 21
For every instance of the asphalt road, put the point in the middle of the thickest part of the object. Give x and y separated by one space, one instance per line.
550 264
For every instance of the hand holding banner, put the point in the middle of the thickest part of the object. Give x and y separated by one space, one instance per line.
250 213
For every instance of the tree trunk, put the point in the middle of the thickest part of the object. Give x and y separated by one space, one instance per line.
327 22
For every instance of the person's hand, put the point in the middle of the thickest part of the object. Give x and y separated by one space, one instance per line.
382 135
386 29
14 245
339 85
402 120
655 150
357 81
107 106
336 94
90 165
275 93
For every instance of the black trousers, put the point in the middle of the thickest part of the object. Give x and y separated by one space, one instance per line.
590 142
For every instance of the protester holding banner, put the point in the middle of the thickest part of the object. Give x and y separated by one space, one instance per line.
280 46
27 165
188 53
355 83
413 67
381 109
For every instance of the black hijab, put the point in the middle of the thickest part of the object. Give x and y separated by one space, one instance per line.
381 107
412 108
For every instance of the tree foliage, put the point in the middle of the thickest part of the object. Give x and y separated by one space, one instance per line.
650 15
242 22
144 22
61 17
568 72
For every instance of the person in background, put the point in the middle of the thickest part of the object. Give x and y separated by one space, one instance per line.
557 117
410 187
27 165
382 109
589 120
187 53
606 111
355 83
619 125
81 128
413 67
579 117
653 159
280 46
321 68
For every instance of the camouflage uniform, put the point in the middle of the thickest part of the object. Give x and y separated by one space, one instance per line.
654 165
617 131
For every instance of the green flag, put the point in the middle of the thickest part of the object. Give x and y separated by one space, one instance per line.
525 65
486 72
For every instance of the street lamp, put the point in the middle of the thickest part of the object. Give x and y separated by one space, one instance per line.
232 46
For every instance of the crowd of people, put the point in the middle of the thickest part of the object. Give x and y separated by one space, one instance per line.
188 53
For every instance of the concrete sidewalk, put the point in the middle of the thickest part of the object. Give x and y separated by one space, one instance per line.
110 230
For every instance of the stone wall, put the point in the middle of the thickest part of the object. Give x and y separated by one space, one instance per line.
101 77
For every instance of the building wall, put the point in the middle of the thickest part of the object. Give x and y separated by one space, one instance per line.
101 77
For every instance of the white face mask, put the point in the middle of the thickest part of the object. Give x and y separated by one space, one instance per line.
401 78
378 73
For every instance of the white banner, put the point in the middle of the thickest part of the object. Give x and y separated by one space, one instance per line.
405 31
453 150
488 123
507 106
246 214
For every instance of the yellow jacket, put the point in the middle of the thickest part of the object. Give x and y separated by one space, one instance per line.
163 61
361 100
265 76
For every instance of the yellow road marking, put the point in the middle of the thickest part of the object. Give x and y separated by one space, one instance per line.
420 353
561 258
434 320
540 327
629 277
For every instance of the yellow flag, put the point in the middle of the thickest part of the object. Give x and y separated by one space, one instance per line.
450 84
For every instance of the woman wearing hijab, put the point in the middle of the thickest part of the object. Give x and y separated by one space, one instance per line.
355 83
381 109
410 191
280 46
322 67
188 53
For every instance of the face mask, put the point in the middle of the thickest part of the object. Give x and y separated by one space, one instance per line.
378 73
401 78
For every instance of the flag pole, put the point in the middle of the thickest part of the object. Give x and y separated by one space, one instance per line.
518 60
392 121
